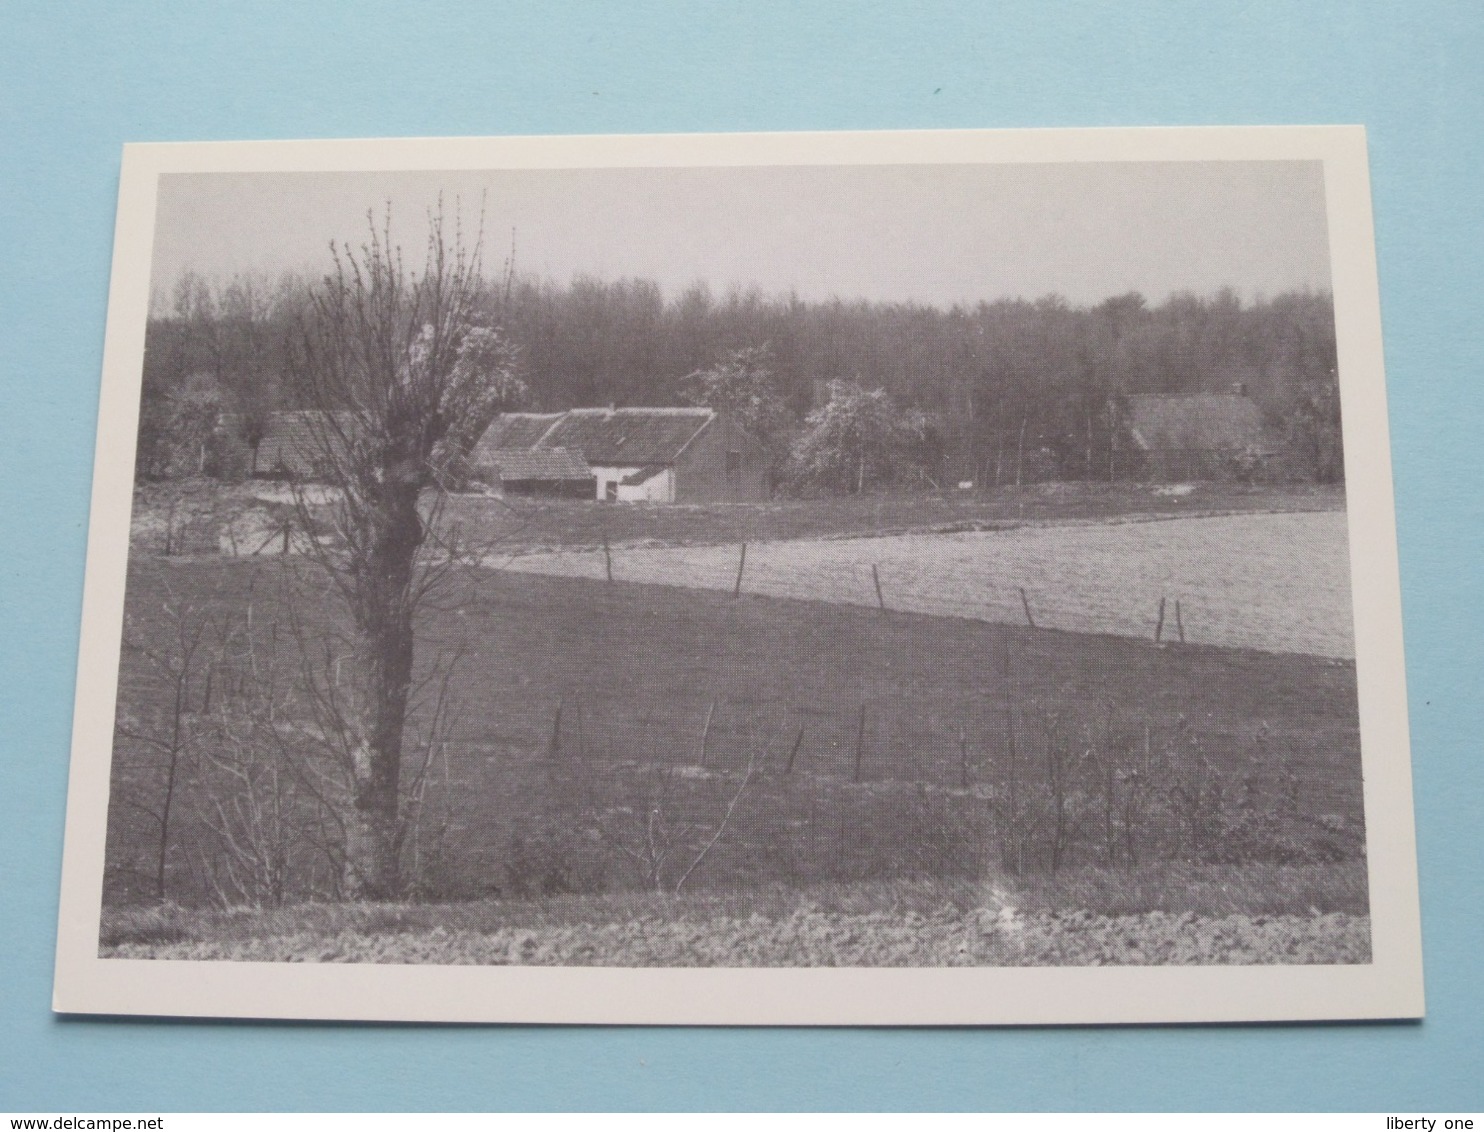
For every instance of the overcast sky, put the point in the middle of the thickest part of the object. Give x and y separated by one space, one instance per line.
933 234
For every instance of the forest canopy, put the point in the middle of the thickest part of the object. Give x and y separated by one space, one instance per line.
1026 376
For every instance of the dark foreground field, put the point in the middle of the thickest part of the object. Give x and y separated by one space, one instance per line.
847 752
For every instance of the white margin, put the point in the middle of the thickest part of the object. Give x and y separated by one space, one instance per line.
1389 987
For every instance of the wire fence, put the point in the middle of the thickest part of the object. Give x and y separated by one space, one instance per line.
590 721
1272 581
1277 583
880 786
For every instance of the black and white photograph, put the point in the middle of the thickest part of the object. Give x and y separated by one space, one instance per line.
797 578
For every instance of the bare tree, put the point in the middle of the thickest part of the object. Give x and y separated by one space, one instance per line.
404 381
667 829
267 791
179 662
652 835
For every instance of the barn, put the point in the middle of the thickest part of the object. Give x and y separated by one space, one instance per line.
650 455
1198 436
290 446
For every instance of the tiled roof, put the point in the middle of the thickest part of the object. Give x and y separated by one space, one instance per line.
1204 422
516 430
628 436
515 464
296 443
633 437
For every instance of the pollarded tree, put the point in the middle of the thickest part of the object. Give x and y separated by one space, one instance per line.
404 381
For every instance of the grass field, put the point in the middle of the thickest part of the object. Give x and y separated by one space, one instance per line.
896 728
1268 581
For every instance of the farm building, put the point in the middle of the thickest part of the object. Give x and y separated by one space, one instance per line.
292 445
1198 436
655 455
556 472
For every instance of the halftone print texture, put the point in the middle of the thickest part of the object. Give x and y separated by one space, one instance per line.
909 566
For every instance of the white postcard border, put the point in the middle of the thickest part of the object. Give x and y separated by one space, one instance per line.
1389 987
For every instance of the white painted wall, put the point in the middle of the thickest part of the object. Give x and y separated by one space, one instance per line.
659 488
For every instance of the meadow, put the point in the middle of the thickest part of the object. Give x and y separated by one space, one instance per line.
653 770
631 739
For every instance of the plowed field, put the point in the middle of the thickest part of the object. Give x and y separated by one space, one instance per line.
1277 582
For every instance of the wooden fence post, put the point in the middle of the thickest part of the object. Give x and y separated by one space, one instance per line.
1179 622
1025 604
794 753
607 557
876 577
554 747
860 742
741 563
1011 846
706 731
963 759
1159 626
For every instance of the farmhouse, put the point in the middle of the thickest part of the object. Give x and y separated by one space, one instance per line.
654 455
1198 436
288 445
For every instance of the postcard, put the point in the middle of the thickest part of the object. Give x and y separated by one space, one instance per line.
929 577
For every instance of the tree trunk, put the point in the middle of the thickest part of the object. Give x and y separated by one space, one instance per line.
172 766
1020 453
382 656
1088 475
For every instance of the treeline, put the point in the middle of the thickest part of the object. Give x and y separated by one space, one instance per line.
1042 379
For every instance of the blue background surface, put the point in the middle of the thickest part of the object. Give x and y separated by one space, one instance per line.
76 81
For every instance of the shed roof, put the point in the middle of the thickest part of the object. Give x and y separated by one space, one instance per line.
296 442
515 430
1201 422
548 464
628 436
624 437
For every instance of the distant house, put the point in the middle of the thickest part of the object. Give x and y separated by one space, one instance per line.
554 472
655 455
293 445
1198 436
